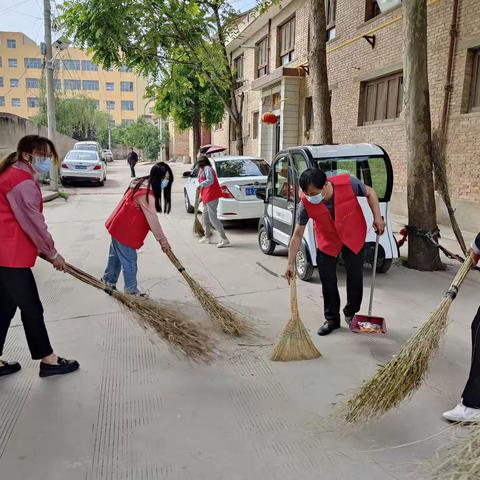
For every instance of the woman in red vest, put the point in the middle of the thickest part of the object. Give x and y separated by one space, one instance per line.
130 222
210 192
339 226
23 236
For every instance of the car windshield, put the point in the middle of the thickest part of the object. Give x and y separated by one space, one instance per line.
248 167
85 146
81 155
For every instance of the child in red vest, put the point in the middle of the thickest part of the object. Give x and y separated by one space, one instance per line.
340 227
130 222
210 192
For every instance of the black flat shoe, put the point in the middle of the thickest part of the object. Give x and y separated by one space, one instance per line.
64 366
9 368
327 327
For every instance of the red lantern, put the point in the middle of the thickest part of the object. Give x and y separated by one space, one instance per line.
269 118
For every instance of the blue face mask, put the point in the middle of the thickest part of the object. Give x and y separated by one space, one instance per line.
165 183
41 164
315 199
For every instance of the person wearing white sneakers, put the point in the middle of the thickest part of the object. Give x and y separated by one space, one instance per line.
210 192
468 410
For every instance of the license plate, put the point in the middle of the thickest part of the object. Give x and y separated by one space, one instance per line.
80 167
250 191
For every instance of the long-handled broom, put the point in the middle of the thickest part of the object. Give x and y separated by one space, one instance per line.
197 225
294 342
180 335
228 321
401 376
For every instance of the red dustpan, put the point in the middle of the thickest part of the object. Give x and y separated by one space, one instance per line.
368 323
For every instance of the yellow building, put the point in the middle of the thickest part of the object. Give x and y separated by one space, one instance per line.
21 69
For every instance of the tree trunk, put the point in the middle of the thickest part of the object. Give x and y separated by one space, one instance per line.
317 60
197 130
422 255
237 120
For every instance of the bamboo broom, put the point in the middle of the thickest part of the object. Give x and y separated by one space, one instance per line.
401 376
197 225
228 321
180 335
294 342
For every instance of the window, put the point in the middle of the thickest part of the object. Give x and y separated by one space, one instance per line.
15 102
261 51
32 82
72 84
1 82
89 66
238 68
14 83
33 62
57 84
11 43
97 105
286 42
12 63
32 102
1 63
2 101
376 7
249 167
308 115
474 105
255 119
127 122
330 13
71 64
281 178
124 68
90 85
127 105
110 104
300 163
110 86
126 86
382 99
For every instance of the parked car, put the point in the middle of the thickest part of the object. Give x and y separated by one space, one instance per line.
240 178
83 166
107 155
89 145
369 163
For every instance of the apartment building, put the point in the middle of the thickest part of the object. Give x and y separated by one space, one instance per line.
120 93
365 63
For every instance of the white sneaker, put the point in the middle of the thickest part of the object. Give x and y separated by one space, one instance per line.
224 242
205 240
463 414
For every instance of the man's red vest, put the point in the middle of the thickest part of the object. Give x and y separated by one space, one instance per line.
213 191
16 248
127 223
349 227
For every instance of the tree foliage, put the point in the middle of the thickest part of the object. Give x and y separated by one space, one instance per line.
142 135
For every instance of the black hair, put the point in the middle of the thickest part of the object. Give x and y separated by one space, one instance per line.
203 161
158 173
312 176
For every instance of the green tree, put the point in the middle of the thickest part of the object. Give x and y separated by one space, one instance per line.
144 136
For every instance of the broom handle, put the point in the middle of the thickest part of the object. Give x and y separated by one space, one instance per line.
293 298
197 201
372 288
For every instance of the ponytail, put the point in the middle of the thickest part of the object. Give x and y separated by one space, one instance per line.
8 161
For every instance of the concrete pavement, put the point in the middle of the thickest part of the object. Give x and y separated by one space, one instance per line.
134 411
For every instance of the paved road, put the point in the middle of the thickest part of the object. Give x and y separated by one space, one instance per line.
136 412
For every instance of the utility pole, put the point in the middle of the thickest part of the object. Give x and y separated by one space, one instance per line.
49 66
110 135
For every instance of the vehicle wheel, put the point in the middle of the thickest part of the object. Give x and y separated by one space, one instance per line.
102 183
267 246
384 265
188 206
303 266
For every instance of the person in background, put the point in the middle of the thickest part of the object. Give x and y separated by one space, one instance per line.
210 192
132 160
130 222
468 410
340 227
23 236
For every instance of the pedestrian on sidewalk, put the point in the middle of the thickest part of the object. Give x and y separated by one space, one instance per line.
210 192
468 410
339 226
23 236
132 160
130 222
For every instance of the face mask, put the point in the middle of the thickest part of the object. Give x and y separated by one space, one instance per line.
315 199
165 183
41 164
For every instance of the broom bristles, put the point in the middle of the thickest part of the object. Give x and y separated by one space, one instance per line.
197 226
180 335
401 376
294 343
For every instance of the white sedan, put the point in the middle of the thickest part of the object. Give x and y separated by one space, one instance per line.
83 166
240 177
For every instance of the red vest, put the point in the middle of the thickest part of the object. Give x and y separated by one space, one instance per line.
349 227
16 248
127 223
213 191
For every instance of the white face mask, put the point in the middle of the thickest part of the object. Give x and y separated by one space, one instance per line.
315 199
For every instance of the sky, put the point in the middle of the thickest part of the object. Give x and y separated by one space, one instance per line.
27 15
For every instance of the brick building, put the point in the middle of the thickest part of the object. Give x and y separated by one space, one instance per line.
365 76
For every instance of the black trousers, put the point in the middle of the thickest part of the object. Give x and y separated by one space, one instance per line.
132 169
327 266
471 394
19 290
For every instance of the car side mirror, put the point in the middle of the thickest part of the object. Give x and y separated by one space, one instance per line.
261 194
187 174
